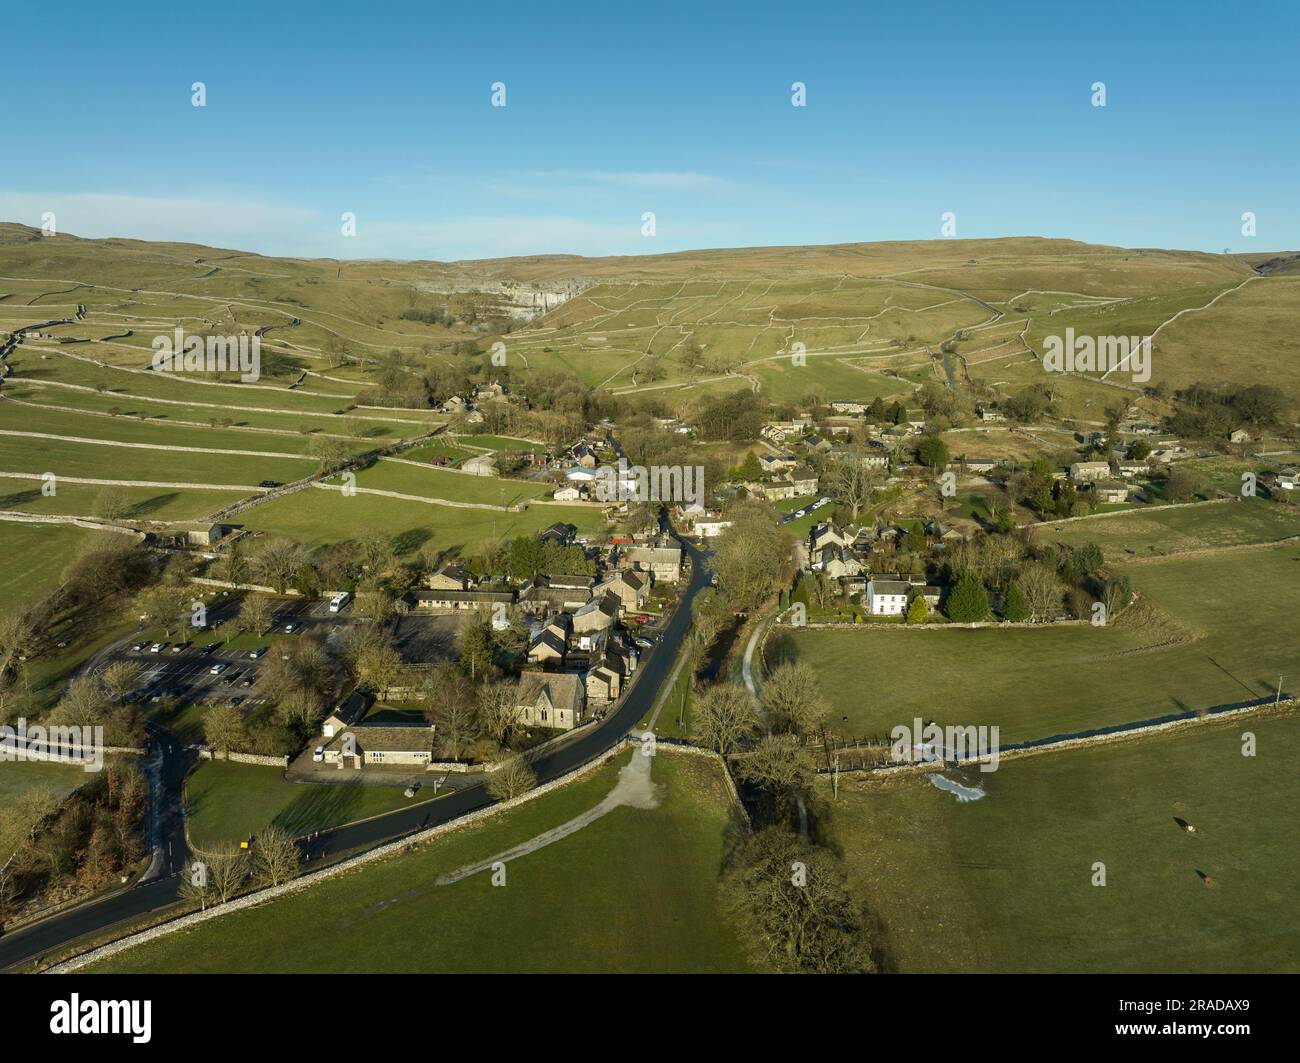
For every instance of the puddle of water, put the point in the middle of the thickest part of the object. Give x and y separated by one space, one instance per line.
962 793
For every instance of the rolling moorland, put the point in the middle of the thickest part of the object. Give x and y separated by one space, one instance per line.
347 436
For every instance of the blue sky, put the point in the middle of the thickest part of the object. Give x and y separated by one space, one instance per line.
913 110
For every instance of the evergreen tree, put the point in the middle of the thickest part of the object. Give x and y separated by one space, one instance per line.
1014 607
914 541
969 600
932 451
918 612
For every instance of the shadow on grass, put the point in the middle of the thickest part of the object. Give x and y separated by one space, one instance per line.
152 505
321 806
411 540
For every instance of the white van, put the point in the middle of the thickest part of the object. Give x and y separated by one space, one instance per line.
339 601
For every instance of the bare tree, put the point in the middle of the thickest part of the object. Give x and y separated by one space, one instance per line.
16 633
164 606
852 481
723 718
794 908
276 560
512 778
376 605
497 711
1042 591
275 856
379 666
254 615
778 764
752 557
121 677
223 728
793 698
111 504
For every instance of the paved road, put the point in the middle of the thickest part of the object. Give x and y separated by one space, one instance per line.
23 946
156 889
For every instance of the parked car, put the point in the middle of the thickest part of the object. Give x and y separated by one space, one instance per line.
642 618
270 483
218 668
318 754
140 646
256 654
210 647
247 681
178 647
233 701
157 647
290 628
645 644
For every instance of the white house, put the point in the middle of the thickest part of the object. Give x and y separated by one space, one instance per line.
887 597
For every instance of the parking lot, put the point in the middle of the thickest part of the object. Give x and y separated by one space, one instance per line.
183 667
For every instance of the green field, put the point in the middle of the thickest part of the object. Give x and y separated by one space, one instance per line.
827 378
376 425
636 891
106 461
1004 883
1047 680
1162 530
33 557
316 516
40 366
432 482
142 503
76 424
232 802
